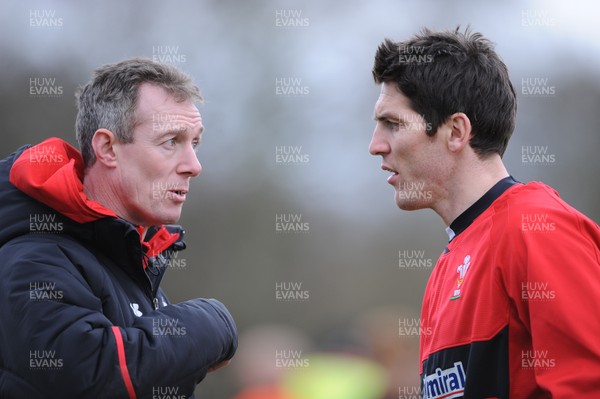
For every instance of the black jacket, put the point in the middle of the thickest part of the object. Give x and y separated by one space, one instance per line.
82 315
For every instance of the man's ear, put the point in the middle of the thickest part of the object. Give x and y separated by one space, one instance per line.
460 131
103 144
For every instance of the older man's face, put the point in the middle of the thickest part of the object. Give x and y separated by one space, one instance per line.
155 170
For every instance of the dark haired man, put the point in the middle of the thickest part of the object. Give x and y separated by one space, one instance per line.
86 238
512 301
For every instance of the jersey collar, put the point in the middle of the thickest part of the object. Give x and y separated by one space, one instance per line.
465 219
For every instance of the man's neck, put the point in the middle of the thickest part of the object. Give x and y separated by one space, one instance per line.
469 183
99 189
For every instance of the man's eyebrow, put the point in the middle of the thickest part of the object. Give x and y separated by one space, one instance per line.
179 132
173 130
386 116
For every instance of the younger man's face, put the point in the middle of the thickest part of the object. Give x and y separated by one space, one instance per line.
414 159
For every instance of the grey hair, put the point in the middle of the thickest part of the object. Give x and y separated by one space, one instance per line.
109 100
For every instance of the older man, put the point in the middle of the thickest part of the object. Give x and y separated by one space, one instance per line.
512 301
86 238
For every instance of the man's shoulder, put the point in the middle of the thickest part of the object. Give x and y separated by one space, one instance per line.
533 197
43 246
536 210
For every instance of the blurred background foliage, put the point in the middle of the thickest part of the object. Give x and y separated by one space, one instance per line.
347 260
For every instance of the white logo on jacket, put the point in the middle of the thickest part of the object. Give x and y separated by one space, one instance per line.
136 309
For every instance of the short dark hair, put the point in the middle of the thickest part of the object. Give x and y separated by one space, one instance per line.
442 73
109 100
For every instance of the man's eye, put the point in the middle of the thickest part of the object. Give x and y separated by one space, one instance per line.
171 142
392 125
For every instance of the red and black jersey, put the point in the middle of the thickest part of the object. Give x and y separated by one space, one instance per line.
511 307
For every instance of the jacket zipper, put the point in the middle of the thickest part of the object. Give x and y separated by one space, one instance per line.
152 292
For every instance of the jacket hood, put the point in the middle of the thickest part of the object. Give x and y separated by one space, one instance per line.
52 173
41 190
